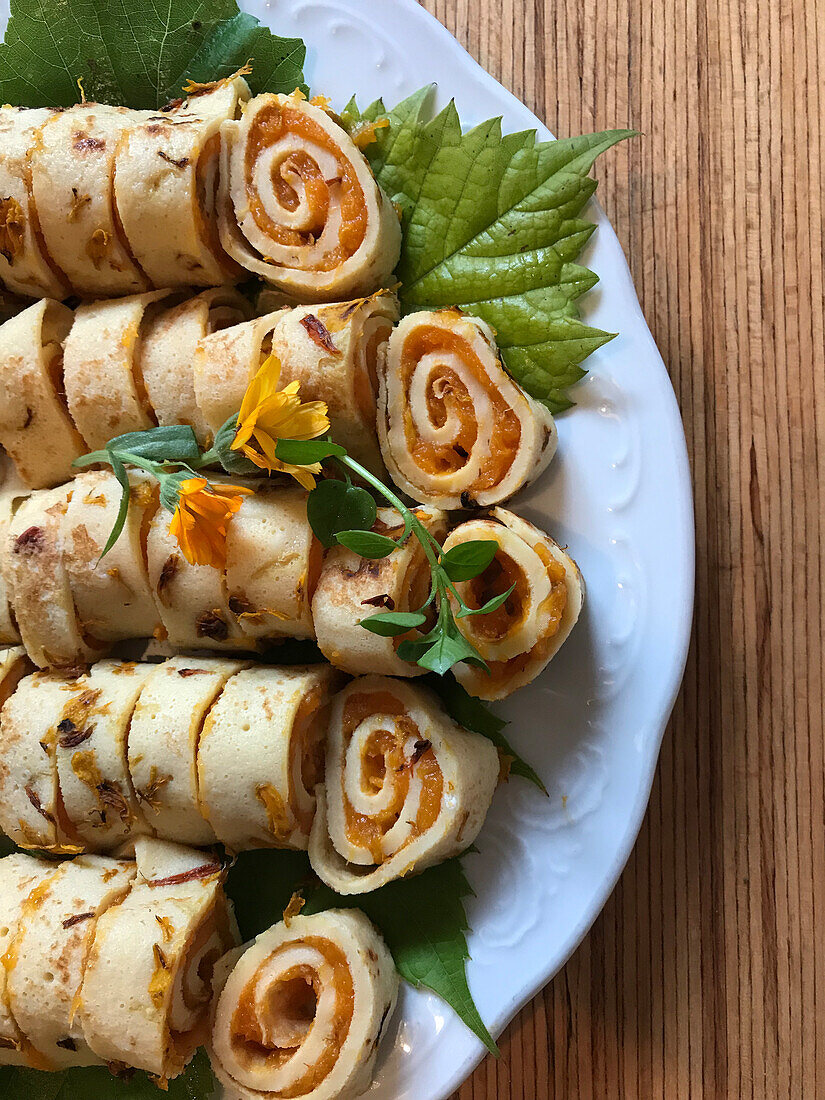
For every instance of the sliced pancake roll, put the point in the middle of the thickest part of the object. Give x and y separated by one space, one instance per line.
352 588
405 786
147 984
226 361
163 744
519 638
25 265
36 429
303 1010
165 184
101 367
10 498
72 163
273 561
261 755
299 204
170 339
332 350
456 431
32 813
49 953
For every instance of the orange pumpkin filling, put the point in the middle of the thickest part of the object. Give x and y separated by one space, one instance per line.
270 126
290 1005
384 761
449 396
366 376
306 754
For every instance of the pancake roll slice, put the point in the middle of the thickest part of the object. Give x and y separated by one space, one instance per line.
47 957
36 429
147 983
261 755
165 184
405 786
351 588
333 351
525 633
456 431
25 265
301 1012
11 494
299 205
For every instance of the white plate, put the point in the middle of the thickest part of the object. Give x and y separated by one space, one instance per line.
618 493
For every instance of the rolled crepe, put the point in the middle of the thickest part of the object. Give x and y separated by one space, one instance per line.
405 786
32 813
455 429
273 561
38 583
225 364
35 426
101 367
167 352
333 352
21 877
9 499
299 205
72 169
49 955
165 184
163 744
147 988
518 639
302 1012
112 595
92 767
352 588
260 756
25 265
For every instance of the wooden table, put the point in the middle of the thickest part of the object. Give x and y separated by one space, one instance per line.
700 978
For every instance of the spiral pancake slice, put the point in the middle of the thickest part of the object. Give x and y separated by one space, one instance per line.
165 184
260 756
333 352
225 364
147 987
25 266
72 170
101 368
21 877
35 427
299 205
405 786
303 1010
455 429
167 352
31 807
50 950
92 732
163 743
351 588
273 561
518 639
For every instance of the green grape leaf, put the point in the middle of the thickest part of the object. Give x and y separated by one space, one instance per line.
335 506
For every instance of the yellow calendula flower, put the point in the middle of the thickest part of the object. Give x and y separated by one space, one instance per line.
201 519
269 414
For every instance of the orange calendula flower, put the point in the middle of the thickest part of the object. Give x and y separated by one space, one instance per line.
269 414
201 519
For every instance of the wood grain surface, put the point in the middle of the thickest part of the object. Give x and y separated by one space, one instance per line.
703 977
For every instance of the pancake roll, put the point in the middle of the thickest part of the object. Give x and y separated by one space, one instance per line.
302 1011
299 205
524 634
456 431
405 786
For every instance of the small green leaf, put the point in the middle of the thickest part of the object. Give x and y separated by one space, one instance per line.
388 624
170 488
304 452
442 648
335 506
123 510
233 462
367 543
468 559
94 458
492 605
175 443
